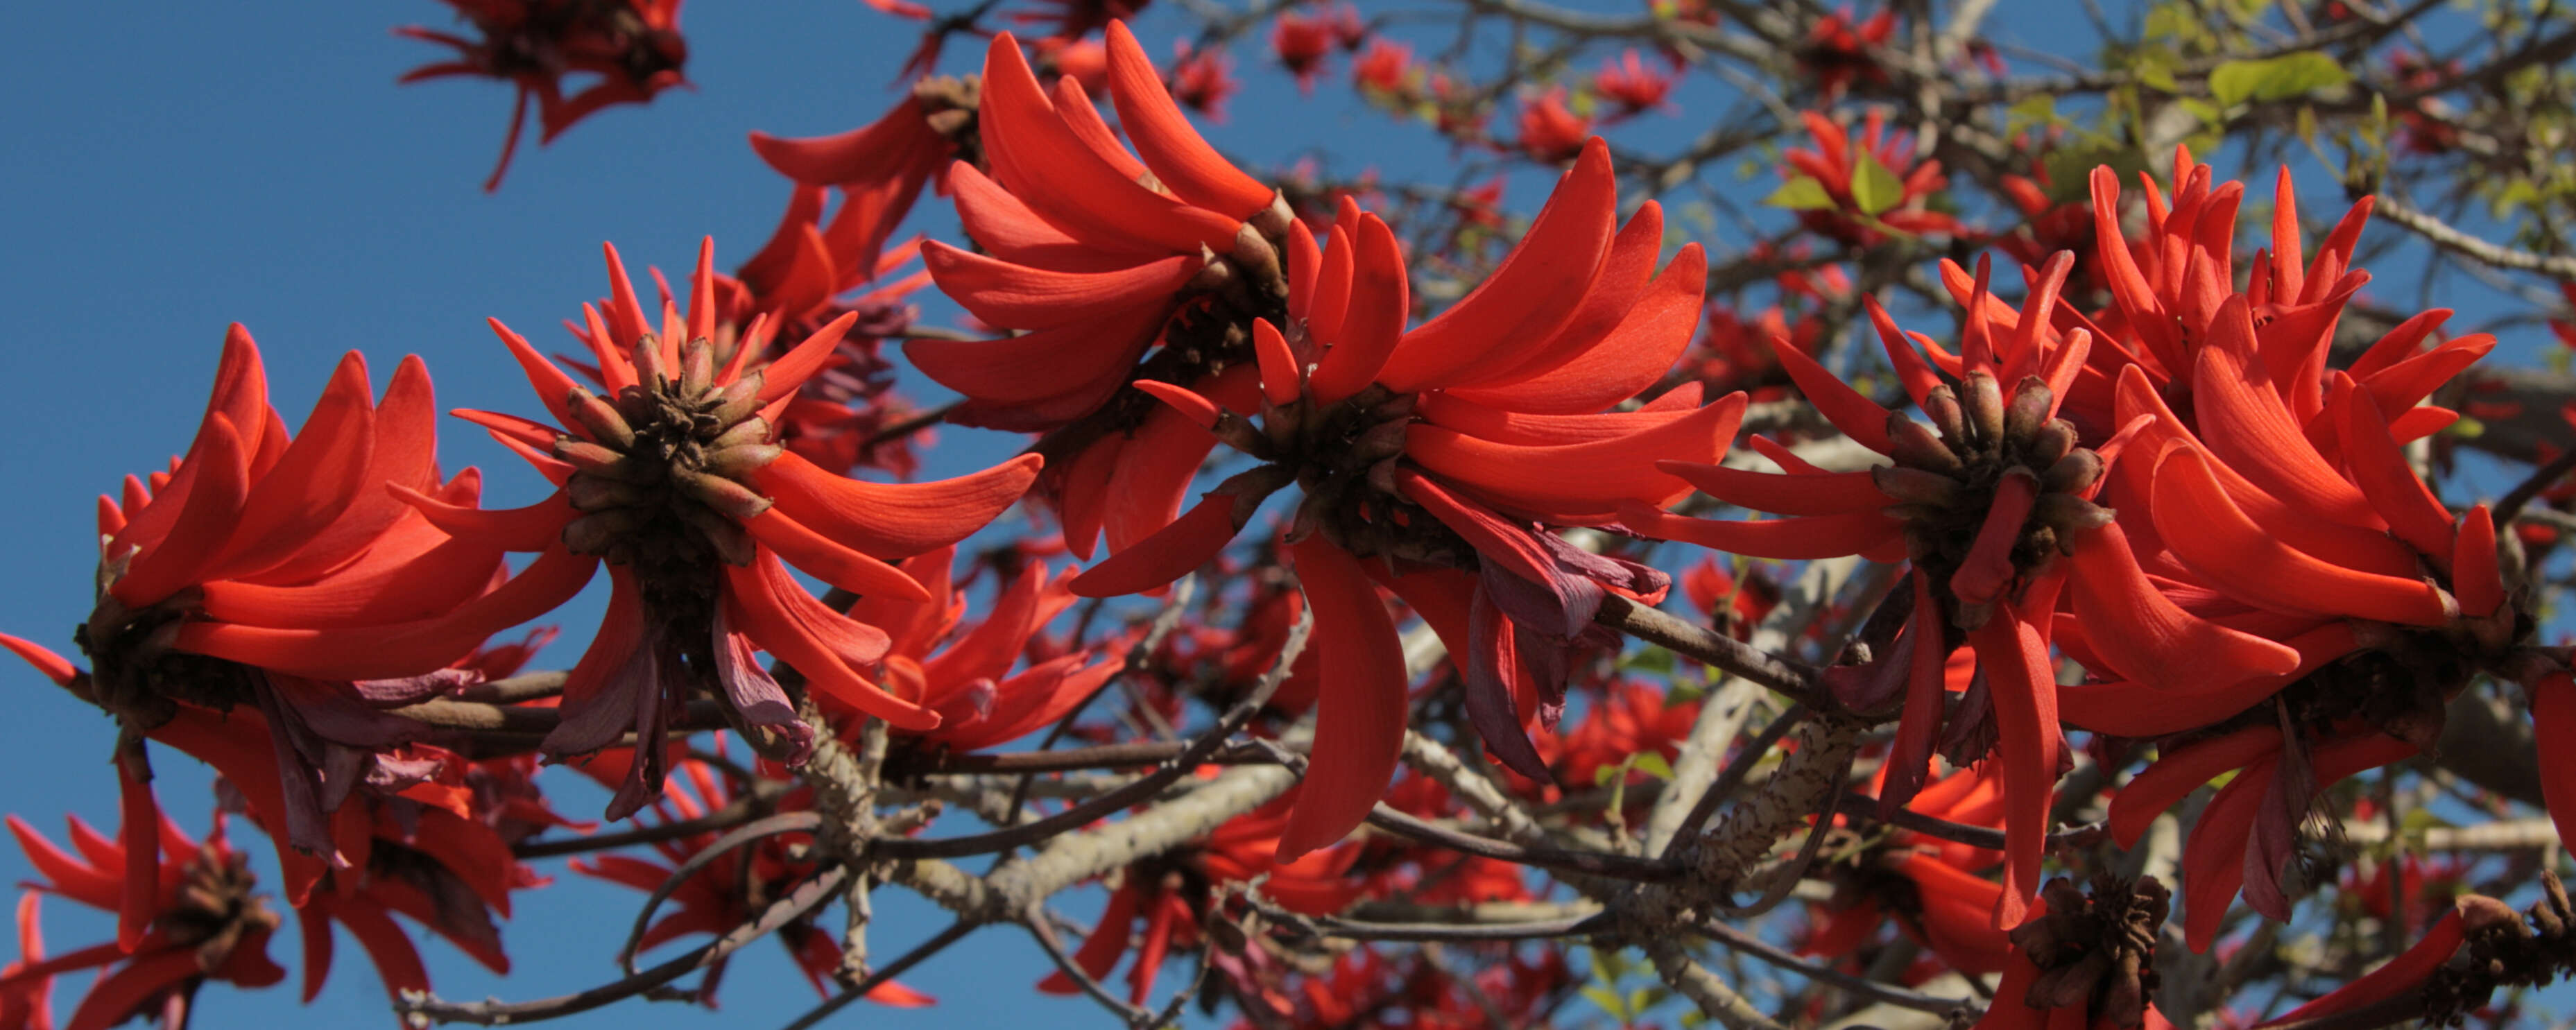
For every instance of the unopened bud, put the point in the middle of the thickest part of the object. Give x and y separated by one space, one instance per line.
731 542
1913 445
1915 486
596 460
2031 400
599 493
1941 405
1984 400
697 367
741 460
600 419
2072 473
739 399
730 498
649 371
2051 441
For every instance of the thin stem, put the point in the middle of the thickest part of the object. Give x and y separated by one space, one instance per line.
1792 678
1591 863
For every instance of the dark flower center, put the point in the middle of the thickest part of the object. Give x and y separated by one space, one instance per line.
1995 497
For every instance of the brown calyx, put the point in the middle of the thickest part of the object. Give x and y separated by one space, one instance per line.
1946 484
2503 950
661 475
215 907
2097 950
134 673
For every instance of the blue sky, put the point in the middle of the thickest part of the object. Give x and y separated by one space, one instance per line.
175 167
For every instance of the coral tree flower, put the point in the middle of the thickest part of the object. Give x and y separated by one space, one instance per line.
1431 459
1992 506
633 46
2250 831
1097 266
1075 249
1550 131
1837 50
1627 81
676 482
964 671
725 891
1163 905
2085 960
207 924
1857 177
1934 890
879 169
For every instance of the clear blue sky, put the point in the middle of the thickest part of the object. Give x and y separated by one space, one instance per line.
175 167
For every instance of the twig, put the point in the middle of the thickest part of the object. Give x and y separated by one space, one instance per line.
921 952
1763 951
1590 863
729 816
804 899
1352 929
1794 679
1703 988
758 830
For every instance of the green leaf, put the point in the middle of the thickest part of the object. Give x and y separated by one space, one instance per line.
1874 188
1608 1000
1801 194
2276 78
1653 764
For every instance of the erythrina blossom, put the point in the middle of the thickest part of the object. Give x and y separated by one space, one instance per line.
675 481
1202 79
2085 960
1429 459
1837 50
1302 41
1085 61
633 46
2250 830
1627 82
965 672
1551 132
1385 72
1099 267
1074 19
1984 503
207 924
1874 185
405 844
295 540
1934 890
879 168
727 889
2168 285
1162 905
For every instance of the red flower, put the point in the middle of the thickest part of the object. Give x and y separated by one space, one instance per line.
2168 287
1837 51
969 681
678 485
1173 896
1302 41
2084 960
1385 71
880 169
1629 83
1983 510
1880 162
1550 132
1085 61
2250 831
1627 719
1202 79
633 46
206 922
1442 450
729 889
1075 19
1074 248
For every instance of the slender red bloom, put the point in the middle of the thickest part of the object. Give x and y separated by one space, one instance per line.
879 169
1430 453
1934 890
1627 82
730 889
1857 177
207 924
675 480
973 675
1075 251
2249 833
1994 511
1159 907
1837 50
634 47
1551 132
